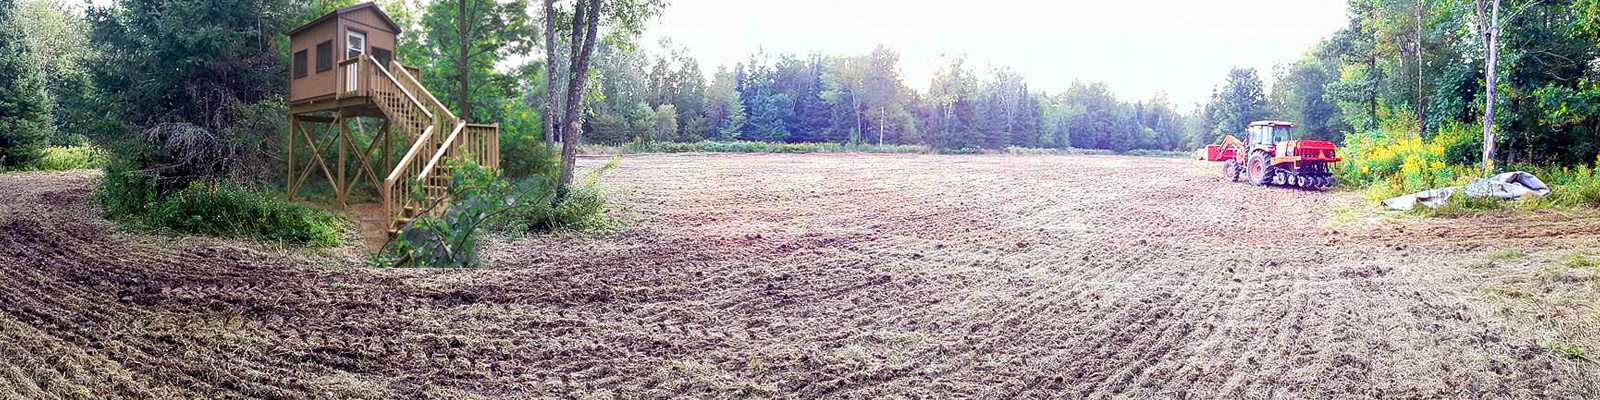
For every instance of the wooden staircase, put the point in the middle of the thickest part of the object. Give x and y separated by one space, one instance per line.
436 135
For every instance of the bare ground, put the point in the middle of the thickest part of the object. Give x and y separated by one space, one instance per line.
832 276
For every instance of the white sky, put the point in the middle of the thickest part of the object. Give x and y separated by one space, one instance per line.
1138 47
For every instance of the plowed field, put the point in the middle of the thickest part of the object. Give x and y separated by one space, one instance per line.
830 276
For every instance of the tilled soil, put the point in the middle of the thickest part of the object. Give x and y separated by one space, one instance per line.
807 276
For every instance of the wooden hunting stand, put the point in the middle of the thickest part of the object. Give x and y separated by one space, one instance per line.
407 158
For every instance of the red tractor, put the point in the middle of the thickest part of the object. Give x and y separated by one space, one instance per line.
1269 157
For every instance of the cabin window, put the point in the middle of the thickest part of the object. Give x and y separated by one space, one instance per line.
300 64
382 55
325 56
355 44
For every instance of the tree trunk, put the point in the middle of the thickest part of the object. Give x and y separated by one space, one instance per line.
883 114
1489 26
584 24
1376 76
550 99
1422 120
464 79
855 108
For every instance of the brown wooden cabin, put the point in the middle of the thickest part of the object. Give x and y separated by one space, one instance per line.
343 80
347 33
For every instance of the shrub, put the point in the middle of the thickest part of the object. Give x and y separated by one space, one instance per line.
69 158
584 208
1393 163
1570 186
213 208
491 202
126 192
523 156
222 209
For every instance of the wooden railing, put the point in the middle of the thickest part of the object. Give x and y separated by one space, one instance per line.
443 118
433 178
350 82
398 102
398 186
482 143
438 136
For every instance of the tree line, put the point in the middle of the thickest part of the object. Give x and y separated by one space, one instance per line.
1524 72
156 72
861 99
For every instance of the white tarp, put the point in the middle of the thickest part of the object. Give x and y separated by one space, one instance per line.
1510 185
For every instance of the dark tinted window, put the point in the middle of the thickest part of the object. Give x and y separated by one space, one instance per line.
383 56
325 56
300 64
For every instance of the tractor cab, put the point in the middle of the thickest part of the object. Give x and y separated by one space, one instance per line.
1269 133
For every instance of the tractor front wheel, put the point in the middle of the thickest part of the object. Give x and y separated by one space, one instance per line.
1230 170
1259 175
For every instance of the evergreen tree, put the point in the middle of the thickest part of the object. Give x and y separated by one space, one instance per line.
724 107
689 102
1242 101
26 123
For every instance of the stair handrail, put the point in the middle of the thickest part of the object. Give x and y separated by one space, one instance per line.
386 74
399 170
450 116
444 147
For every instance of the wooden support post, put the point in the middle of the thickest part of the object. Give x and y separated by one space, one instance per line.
342 188
388 148
289 175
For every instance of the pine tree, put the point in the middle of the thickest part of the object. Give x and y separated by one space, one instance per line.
25 108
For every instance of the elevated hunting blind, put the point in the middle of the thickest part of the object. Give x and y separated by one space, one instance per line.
359 117
344 34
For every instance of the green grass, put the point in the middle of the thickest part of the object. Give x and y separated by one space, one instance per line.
800 148
1581 259
1569 351
1509 254
68 158
750 147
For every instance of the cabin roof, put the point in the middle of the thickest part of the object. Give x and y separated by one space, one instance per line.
345 10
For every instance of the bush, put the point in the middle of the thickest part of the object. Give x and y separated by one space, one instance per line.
1569 186
524 156
214 208
69 158
584 208
491 202
125 193
1393 163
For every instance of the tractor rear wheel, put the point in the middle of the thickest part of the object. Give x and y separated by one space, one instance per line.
1259 174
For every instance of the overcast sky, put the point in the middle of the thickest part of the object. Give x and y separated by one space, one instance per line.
1138 47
